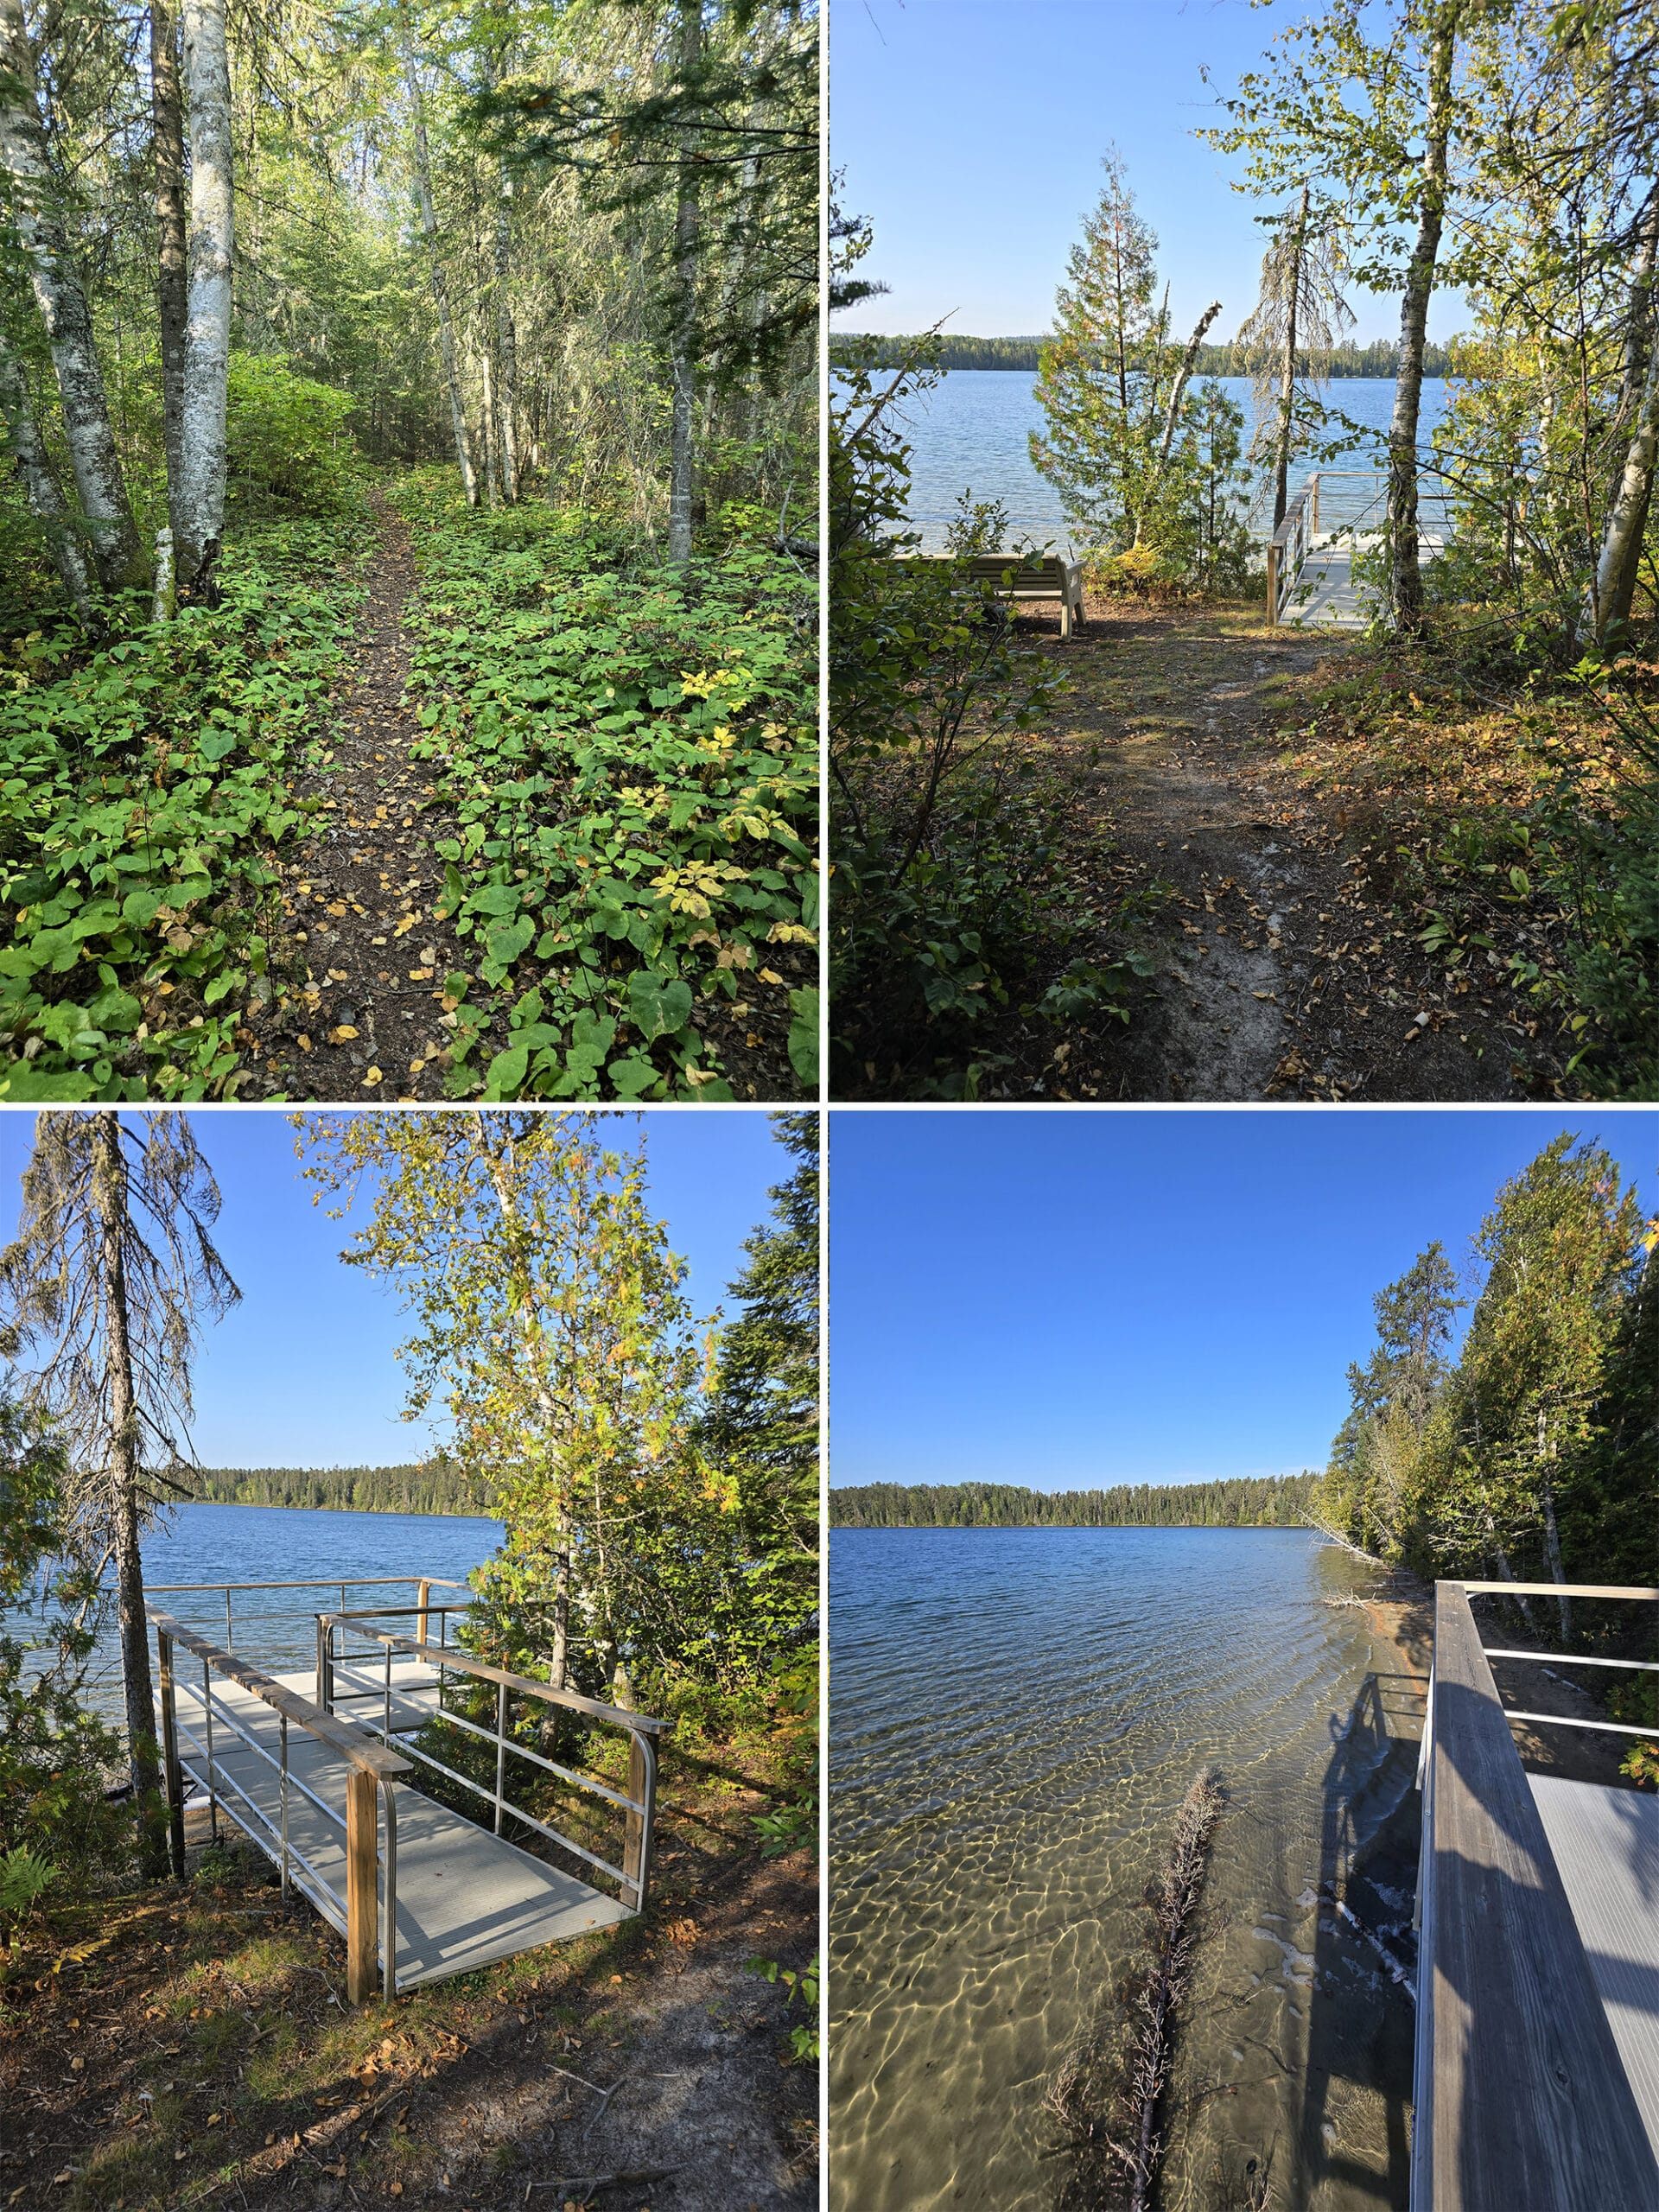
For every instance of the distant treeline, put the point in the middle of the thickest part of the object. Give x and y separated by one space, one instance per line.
436 1486
1376 359
1245 1502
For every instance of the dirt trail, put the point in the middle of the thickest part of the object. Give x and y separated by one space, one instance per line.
365 1015
1279 970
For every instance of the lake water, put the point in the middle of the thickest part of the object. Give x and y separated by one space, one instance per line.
1015 1715
974 430
275 1629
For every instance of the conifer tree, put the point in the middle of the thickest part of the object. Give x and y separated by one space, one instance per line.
112 1264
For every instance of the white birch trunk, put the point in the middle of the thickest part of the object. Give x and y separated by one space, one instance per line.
686 228
40 486
117 555
439 288
1172 420
506 339
172 284
1405 574
207 317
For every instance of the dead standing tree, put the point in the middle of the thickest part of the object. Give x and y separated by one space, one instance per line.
112 1266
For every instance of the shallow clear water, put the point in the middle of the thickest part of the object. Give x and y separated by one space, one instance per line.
974 429
1015 1715
275 1629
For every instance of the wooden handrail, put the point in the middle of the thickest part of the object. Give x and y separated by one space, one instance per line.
1522 2099
345 1737
526 1683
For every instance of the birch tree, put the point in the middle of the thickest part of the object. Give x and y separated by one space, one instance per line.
113 1265
172 285
1404 573
201 532
40 486
35 210
549 1325
440 284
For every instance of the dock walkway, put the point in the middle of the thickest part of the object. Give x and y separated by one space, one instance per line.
1537 2061
466 1897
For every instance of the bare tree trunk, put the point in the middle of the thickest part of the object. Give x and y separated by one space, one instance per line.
41 489
117 555
1405 574
171 286
1287 370
439 288
687 224
110 1187
490 428
1552 1534
1189 361
199 534
506 342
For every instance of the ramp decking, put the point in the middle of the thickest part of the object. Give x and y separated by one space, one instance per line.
466 1899
1606 1843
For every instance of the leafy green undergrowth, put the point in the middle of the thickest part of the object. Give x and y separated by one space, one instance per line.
142 799
630 756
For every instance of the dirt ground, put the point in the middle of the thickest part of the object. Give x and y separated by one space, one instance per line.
188 2044
360 961
1282 969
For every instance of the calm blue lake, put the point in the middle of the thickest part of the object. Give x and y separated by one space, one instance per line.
1015 1715
268 1543
973 432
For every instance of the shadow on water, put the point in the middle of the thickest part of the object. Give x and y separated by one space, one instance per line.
1361 2021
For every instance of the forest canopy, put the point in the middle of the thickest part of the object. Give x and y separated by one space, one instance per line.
423 1486
1237 1501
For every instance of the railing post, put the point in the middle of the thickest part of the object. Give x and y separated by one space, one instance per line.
208 1716
421 1610
1316 502
501 1751
642 1788
172 1778
229 1643
362 1941
1272 584
389 1923
283 1719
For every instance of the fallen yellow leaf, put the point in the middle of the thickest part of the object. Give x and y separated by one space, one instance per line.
408 923
373 1078
768 976
342 1035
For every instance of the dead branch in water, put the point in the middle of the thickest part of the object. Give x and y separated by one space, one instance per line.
1116 2158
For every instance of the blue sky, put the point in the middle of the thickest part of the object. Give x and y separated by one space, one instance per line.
302 1373
1063 1300
971 133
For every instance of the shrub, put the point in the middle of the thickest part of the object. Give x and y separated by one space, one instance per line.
288 451
56 1759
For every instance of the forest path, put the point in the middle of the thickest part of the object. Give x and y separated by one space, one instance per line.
370 1018
1280 970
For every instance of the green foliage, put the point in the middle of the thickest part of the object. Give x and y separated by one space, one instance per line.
56 1759
1532 1457
287 448
761 1426
435 1485
1237 1501
1377 359
141 790
803 2039
631 755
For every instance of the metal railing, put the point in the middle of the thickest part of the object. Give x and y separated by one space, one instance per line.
367 1912
1337 504
637 1802
422 1584
1570 1658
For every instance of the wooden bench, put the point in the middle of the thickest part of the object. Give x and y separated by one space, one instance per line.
1051 578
